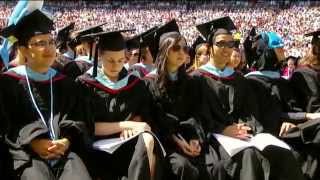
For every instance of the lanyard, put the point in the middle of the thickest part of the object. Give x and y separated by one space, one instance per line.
51 129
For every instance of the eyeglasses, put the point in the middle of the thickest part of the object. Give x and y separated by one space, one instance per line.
223 44
177 48
42 43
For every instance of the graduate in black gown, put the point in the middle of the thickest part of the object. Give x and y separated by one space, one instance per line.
281 102
46 128
145 62
305 83
83 48
121 104
65 53
175 102
228 110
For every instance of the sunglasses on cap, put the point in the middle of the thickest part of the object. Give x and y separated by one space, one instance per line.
223 44
177 48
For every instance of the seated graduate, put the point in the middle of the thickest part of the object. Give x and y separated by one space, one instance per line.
83 48
121 104
229 111
199 54
46 125
141 42
65 54
281 103
304 81
175 101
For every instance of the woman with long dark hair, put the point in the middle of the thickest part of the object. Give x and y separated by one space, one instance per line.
175 97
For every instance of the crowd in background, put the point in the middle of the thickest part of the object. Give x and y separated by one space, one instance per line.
291 22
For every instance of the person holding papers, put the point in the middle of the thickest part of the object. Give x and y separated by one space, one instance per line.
230 113
120 102
305 82
175 99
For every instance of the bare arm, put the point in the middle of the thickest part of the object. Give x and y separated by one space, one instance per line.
108 128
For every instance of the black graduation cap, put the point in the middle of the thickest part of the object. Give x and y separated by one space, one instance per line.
30 25
315 36
90 30
208 29
81 36
63 34
133 43
196 45
199 41
154 37
113 41
140 41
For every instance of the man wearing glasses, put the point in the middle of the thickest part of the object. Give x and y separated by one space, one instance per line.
42 111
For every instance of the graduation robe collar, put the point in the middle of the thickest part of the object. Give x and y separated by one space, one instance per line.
226 72
23 70
147 67
84 58
106 82
173 76
269 74
69 54
152 74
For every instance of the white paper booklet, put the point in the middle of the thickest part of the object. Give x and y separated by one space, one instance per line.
259 141
112 144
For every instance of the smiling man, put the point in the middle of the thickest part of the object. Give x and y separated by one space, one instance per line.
44 119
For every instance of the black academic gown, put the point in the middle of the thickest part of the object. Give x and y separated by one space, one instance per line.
305 83
174 113
24 124
110 105
283 98
141 70
231 100
5 158
60 63
75 68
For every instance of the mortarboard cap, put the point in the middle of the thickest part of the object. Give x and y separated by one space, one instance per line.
80 35
63 35
30 25
112 41
209 29
133 43
196 45
155 36
197 42
90 30
141 40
